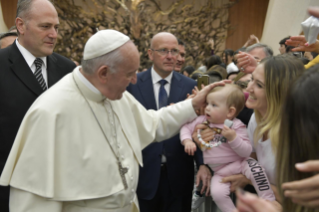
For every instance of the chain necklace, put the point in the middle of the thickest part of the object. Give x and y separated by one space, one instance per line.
122 170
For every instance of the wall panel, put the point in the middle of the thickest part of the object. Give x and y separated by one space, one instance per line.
246 17
9 9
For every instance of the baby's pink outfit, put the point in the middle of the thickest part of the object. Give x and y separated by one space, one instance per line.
229 159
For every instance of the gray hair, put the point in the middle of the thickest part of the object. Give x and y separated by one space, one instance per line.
7 34
267 50
23 9
111 59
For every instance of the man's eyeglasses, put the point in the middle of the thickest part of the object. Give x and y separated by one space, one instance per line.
164 52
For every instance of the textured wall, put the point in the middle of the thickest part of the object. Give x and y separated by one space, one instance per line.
9 12
246 17
3 26
284 18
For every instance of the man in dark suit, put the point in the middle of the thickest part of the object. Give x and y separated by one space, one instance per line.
28 68
167 177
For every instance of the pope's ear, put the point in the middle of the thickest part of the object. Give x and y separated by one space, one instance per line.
103 73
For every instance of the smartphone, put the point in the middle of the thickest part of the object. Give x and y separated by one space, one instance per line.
204 79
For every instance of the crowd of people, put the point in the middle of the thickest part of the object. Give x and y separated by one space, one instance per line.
99 137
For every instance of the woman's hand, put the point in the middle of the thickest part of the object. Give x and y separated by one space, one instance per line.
301 44
304 192
236 181
246 62
247 202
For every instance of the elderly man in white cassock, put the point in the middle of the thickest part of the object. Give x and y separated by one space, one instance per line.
79 146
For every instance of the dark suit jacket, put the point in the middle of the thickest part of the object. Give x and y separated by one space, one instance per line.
180 166
18 90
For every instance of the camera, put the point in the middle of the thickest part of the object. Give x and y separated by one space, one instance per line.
203 79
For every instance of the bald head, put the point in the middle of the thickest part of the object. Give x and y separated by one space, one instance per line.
163 53
25 8
161 37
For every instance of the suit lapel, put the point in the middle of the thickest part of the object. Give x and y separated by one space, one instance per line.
176 89
53 70
21 69
147 91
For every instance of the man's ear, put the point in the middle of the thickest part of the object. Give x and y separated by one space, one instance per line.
150 55
231 112
103 74
20 25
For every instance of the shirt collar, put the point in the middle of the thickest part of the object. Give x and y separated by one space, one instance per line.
86 82
29 58
156 77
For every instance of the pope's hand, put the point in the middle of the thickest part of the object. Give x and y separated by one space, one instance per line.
199 100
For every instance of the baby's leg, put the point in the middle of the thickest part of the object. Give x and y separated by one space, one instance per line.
220 193
254 172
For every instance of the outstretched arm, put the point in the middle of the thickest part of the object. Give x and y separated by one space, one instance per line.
301 44
246 62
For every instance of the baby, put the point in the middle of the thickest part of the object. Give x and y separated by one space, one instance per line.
229 150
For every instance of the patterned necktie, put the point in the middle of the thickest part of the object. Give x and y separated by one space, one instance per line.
162 97
38 73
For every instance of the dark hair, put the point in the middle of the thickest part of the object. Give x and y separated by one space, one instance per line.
188 69
180 42
196 74
283 41
298 134
7 34
289 48
217 70
314 54
228 52
232 73
212 60
304 60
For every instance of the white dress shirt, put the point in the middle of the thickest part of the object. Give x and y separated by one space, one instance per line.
29 58
156 85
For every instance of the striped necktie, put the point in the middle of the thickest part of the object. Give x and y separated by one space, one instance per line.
38 73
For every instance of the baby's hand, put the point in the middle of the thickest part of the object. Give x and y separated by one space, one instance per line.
228 133
190 146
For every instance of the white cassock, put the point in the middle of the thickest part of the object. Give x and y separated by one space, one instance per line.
61 160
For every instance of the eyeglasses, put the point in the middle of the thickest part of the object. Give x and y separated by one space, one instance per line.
164 52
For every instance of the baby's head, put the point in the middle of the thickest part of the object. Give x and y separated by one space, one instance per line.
224 102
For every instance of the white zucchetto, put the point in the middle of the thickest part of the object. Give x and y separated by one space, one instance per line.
103 42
